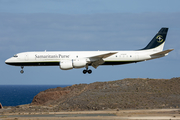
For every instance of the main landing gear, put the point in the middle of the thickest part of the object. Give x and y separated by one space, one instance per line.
87 71
22 71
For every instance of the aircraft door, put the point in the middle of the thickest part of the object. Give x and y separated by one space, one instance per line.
136 56
26 57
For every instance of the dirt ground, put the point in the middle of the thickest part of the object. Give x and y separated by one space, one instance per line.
152 114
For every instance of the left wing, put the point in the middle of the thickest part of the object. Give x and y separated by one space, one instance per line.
98 59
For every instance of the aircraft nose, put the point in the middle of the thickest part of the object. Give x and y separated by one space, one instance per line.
8 61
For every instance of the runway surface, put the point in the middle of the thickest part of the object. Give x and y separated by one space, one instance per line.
153 114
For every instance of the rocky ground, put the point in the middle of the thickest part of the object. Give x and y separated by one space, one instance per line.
120 95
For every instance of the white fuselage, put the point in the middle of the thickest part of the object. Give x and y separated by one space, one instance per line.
40 58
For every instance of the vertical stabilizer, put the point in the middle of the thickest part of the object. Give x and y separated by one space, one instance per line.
158 41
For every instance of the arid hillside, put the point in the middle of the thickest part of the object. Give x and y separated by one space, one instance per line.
121 94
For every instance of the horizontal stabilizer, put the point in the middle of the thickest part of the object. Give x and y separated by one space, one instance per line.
162 53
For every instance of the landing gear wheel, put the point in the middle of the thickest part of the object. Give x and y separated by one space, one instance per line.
84 71
22 71
89 71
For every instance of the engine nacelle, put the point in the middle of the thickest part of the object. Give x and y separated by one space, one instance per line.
79 63
66 65
70 64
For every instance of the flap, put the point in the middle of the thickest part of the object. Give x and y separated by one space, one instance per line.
98 59
95 64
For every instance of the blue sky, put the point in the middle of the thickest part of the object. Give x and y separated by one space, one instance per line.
88 6
83 25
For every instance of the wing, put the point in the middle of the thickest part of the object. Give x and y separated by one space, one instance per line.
98 59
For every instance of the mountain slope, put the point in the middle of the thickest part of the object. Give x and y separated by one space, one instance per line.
122 94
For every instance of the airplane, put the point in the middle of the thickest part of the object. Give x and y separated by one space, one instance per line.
67 60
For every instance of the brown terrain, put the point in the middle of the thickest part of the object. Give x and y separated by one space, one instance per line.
126 94
120 94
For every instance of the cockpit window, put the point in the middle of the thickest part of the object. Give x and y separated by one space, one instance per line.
15 56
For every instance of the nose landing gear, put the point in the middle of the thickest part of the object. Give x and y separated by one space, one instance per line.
22 71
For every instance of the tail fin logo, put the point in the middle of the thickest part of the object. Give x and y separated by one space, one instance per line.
159 38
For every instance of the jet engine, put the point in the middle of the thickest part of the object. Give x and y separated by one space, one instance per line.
66 65
75 63
79 63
